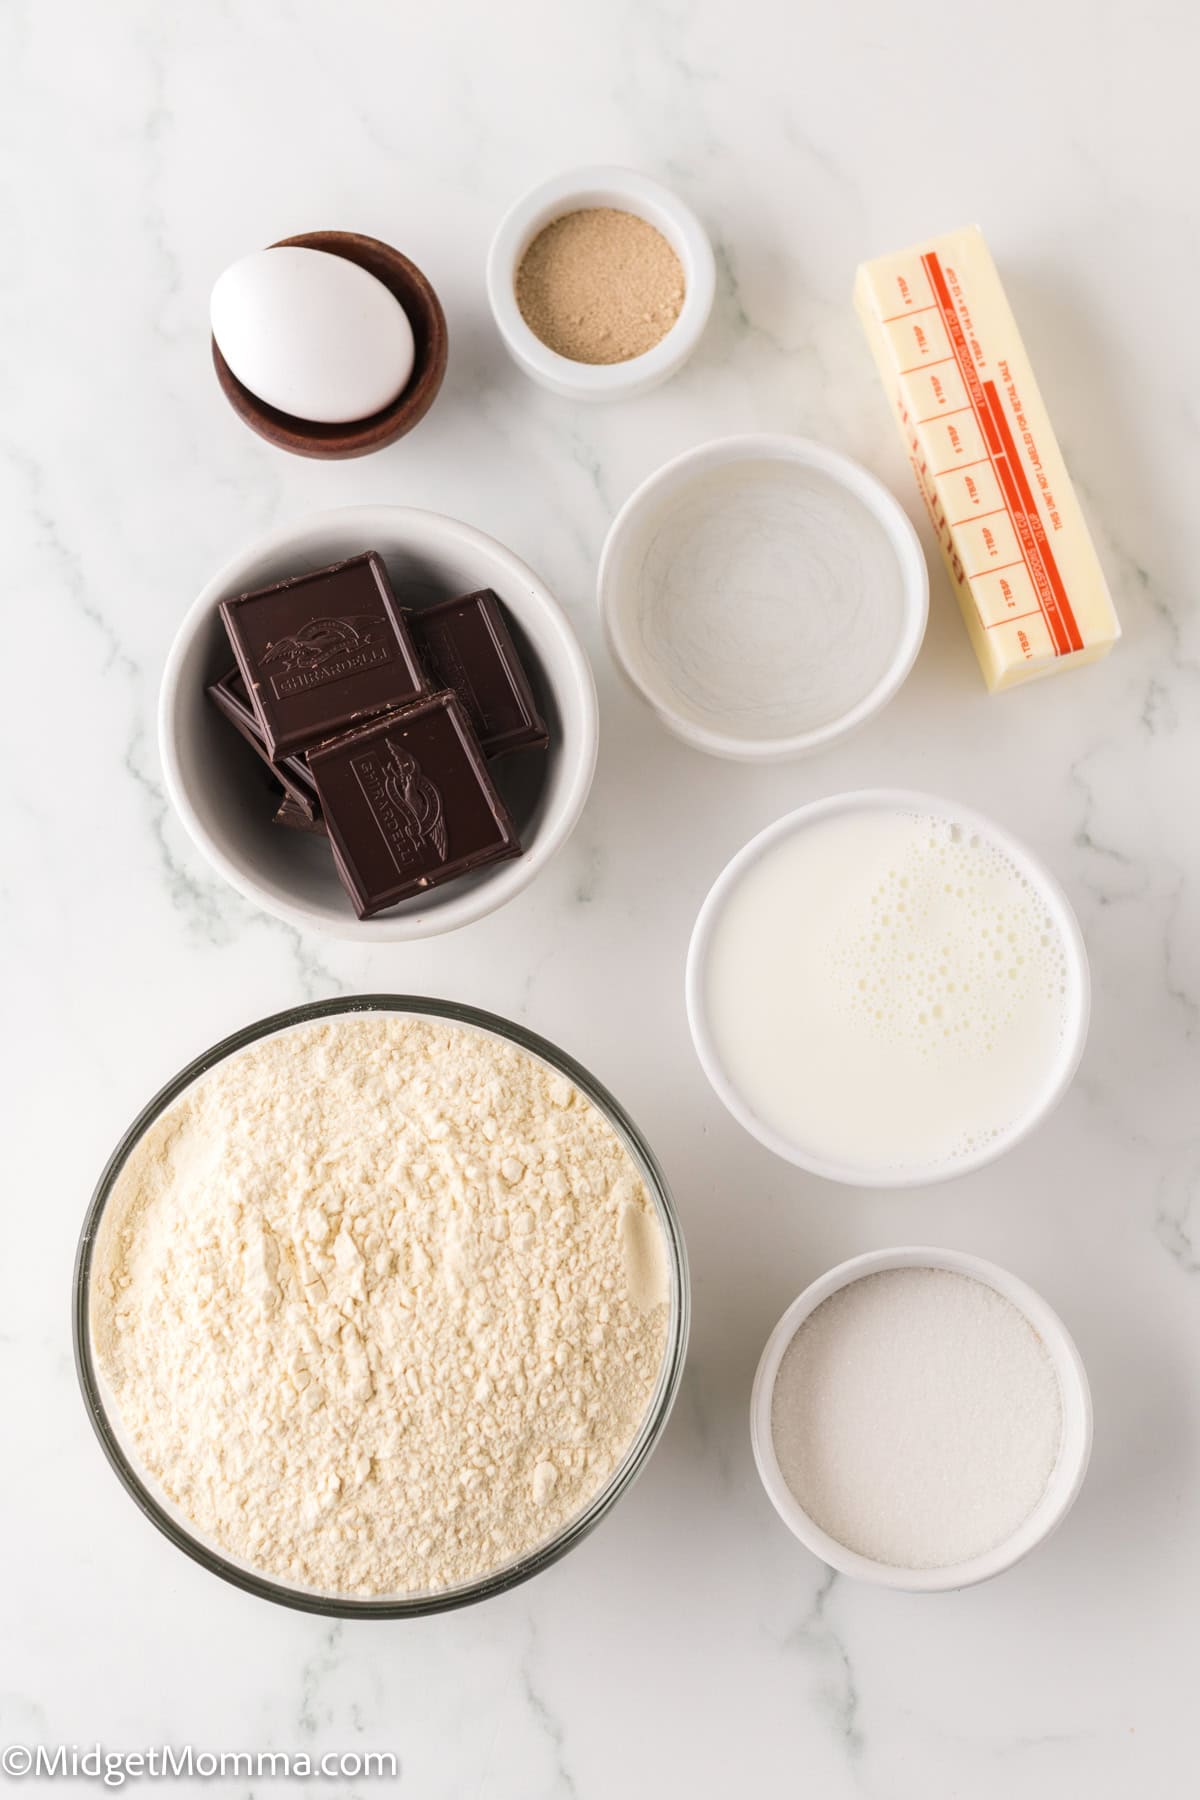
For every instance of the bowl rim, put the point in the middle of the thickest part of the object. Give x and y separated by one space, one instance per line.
507 879
353 437
1075 1446
658 1409
859 481
574 189
900 800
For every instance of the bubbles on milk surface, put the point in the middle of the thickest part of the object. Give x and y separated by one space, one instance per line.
939 955
952 943
891 988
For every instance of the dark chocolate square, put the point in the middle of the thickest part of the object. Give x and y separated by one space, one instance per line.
409 803
323 651
291 772
465 644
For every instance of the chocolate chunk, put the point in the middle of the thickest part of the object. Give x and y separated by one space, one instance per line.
323 651
291 772
465 644
409 803
299 815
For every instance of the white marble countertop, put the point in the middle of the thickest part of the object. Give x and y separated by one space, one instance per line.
690 1646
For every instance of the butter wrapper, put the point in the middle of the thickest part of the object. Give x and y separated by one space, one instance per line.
1007 520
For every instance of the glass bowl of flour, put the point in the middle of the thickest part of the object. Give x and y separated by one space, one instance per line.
380 1305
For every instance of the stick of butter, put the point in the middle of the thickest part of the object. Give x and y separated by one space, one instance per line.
1023 565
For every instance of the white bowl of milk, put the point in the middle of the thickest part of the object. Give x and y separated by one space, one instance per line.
887 989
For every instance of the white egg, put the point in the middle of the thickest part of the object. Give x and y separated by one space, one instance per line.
312 334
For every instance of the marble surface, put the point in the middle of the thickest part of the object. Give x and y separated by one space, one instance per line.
690 1646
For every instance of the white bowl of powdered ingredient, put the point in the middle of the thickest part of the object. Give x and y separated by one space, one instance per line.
921 1419
601 282
765 594
380 1306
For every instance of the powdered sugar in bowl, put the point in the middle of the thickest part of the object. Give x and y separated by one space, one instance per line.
921 1419
380 1306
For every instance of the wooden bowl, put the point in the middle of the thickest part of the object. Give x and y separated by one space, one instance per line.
358 437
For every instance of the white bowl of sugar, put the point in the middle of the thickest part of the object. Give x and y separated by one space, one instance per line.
887 989
764 594
921 1419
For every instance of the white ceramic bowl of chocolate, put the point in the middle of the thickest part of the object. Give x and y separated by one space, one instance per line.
218 786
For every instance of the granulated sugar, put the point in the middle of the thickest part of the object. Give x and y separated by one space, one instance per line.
381 1303
600 285
916 1417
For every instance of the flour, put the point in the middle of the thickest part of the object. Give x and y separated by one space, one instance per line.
381 1302
916 1417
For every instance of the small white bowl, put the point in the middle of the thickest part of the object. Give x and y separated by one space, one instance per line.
1058 1078
290 873
1066 1478
575 191
694 484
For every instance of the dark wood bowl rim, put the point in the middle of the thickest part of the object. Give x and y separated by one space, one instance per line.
406 410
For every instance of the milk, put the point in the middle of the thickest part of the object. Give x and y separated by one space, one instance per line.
888 990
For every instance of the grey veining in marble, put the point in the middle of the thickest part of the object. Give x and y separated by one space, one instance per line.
689 1646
